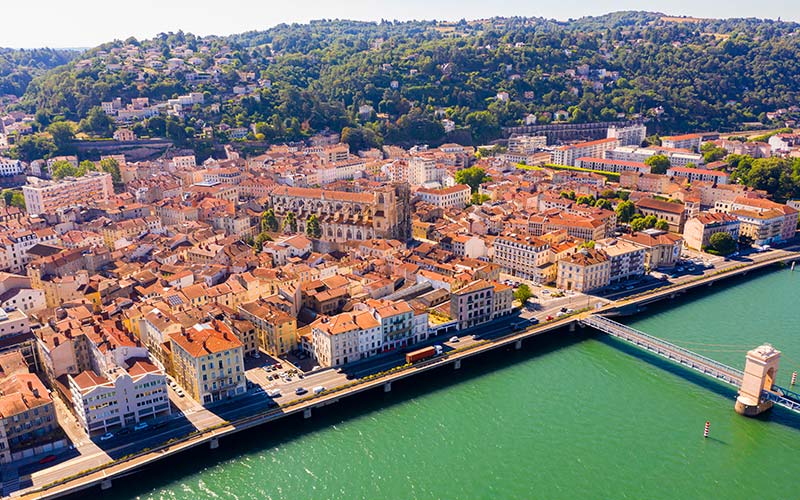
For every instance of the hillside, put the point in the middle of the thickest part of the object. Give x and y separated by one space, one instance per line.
409 82
19 66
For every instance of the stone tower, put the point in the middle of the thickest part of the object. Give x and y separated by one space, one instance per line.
760 369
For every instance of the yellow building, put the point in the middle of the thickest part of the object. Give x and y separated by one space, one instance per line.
275 325
208 362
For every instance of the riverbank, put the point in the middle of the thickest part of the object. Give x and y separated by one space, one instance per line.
211 436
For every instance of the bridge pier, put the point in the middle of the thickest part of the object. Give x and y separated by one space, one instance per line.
518 344
105 484
572 327
387 387
307 413
457 364
214 443
760 369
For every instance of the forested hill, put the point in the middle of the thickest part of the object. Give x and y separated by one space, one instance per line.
292 80
19 66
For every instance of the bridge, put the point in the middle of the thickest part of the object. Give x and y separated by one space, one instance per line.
757 392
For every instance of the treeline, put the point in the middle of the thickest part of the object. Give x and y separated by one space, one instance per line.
394 82
19 66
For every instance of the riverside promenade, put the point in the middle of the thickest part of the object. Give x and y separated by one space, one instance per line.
68 480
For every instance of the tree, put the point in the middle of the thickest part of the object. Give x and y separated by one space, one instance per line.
658 164
472 177
268 221
662 225
34 147
63 133
110 165
569 195
313 229
63 168
479 199
290 222
603 203
722 243
13 198
585 200
625 211
97 122
258 243
523 293
638 224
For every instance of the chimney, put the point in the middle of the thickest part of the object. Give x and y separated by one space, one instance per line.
30 386
56 341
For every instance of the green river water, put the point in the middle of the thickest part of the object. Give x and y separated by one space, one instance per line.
572 416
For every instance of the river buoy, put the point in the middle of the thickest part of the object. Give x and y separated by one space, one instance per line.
794 377
705 432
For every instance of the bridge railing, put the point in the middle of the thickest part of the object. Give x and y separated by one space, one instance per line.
780 400
786 393
612 327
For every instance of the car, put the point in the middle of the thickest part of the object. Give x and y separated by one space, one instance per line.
274 393
47 459
453 339
629 287
300 391
141 426
564 310
106 436
124 431
256 355
680 269
549 318
534 321
546 292
560 314
279 367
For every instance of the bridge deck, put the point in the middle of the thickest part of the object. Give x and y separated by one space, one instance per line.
667 350
778 395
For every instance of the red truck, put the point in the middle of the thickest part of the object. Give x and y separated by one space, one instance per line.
423 354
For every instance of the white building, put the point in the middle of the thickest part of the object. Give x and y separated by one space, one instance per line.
566 155
10 168
345 338
46 197
627 259
457 196
632 135
522 256
121 399
16 293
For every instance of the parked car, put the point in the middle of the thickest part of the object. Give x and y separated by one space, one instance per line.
106 436
453 339
274 393
47 459
300 391
140 426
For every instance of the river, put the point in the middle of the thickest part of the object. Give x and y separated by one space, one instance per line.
573 416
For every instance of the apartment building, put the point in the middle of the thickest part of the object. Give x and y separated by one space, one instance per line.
457 196
27 413
397 322
627 259
662 249
698 229
16 292
520 256
526 144
632 135
699 174
673 213
607 165
15 244
584 270
567 155
46 197
120 398
346 337
762 226
10 168
685 141
480 302
208 362
760 205
276 327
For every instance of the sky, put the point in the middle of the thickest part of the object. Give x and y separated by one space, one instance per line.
86 23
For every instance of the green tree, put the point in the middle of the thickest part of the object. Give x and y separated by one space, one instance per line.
34 147
658 164
110 165
662 225
290 222
63 168
625 211
638 224
63 133
268 221
603 203
722 243
480 199
569 195
13 198
313 228
585 200
258 243
472 177
97 122
523 293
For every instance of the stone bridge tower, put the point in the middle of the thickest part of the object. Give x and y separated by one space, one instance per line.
760 369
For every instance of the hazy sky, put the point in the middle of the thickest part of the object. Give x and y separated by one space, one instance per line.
86 23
